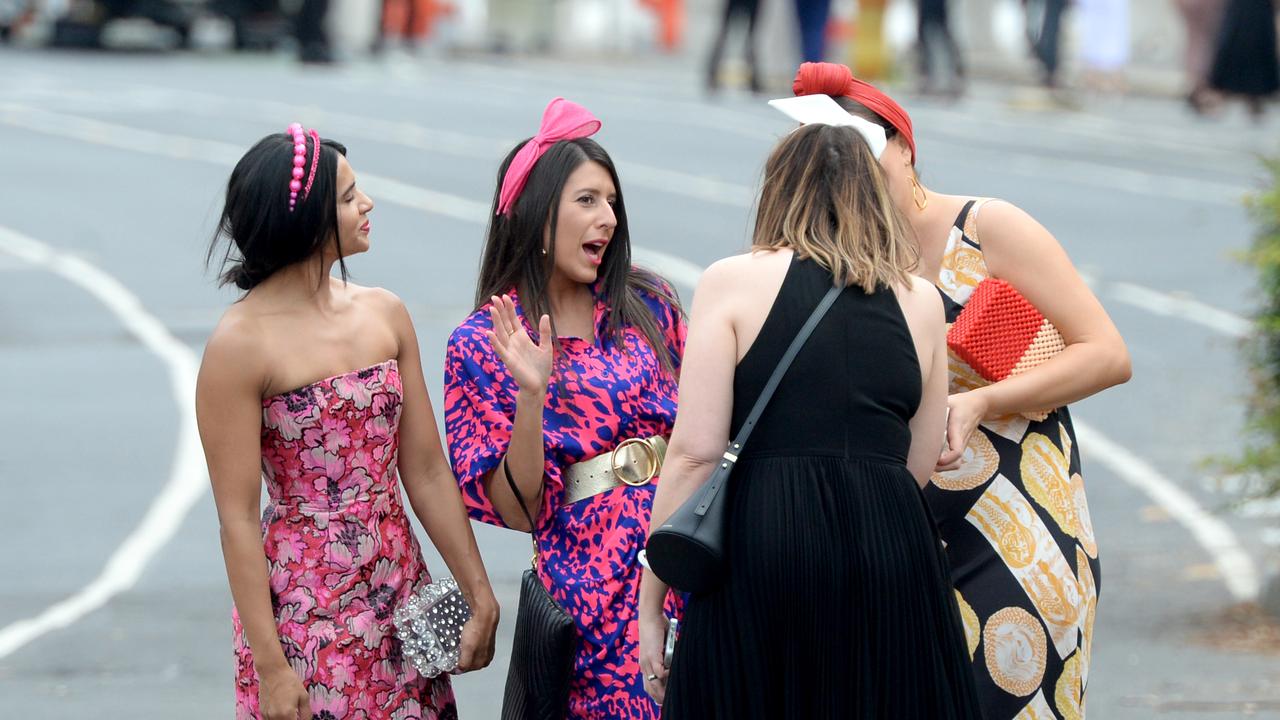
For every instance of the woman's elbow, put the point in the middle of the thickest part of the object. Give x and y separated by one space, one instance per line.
684 467
238 531
1121 366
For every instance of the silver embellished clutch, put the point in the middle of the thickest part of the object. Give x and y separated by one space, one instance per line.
429 625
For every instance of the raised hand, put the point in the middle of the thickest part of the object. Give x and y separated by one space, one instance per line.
529 363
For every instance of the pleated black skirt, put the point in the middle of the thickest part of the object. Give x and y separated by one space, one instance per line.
1245 61
837 603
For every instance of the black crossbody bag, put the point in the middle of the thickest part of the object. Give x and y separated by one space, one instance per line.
687 551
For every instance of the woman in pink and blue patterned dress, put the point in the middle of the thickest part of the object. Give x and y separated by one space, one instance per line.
567 369
316 384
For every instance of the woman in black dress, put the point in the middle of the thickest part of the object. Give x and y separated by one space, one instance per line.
836 602
1246 64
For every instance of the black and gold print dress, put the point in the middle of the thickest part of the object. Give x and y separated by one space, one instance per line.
1018 535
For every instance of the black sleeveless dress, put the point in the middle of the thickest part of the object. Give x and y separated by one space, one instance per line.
837 602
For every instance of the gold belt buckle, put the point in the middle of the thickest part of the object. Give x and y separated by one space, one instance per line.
650 454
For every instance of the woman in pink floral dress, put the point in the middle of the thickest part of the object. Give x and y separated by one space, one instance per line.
316 384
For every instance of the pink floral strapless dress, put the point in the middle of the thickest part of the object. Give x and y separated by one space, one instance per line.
340 551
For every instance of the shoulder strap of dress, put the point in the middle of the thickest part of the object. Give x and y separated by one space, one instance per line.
964 213
970 214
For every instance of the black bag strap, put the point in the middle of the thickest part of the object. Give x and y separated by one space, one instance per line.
520 499
735 447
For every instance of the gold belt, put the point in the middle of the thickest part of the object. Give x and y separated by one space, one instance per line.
633 462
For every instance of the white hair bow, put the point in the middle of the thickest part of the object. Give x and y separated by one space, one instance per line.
822 110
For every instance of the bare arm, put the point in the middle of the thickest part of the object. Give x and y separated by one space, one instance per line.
229 414
922 307
530 365
433 494
698 440
1021 251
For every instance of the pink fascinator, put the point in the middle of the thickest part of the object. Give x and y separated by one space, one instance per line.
562 120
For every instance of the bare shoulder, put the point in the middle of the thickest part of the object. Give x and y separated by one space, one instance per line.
237 349
718 279
1001 222
921 302
745 269
381 301
377 297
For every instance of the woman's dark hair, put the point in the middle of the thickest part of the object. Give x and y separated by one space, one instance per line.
264 234
512 255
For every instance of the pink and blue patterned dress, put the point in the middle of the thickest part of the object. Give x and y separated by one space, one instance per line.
601 393
340 551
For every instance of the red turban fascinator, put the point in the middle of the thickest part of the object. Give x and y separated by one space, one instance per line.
838 81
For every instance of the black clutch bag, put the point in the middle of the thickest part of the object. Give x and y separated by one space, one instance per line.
687 551
544 647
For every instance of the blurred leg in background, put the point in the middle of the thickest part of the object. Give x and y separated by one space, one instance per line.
812 16
1044 25
313 37
1202 20
1246 63
1104 43
409 22
938 49
736 11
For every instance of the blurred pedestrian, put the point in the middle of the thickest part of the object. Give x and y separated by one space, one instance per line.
748 12
1008 496
313 34
1202 20
935 42
1246 64
560 393
1044 29
315 576
1104 43
836 601
407 22
812 16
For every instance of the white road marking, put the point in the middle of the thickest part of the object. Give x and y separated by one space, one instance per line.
1215 536
181 147
444 142
1184 308
187 480
676 269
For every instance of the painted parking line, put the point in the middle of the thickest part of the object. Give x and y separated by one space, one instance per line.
1234 564
187 479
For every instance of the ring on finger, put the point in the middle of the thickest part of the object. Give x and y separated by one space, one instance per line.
651 677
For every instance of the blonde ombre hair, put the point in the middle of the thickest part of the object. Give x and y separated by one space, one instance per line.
825 196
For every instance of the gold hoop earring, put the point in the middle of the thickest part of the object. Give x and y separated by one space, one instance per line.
918 195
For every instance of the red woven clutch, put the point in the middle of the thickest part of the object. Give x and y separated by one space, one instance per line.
1000 333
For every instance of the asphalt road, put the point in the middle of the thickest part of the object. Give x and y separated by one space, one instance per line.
113 599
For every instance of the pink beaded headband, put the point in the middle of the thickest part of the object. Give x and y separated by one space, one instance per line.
299 136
